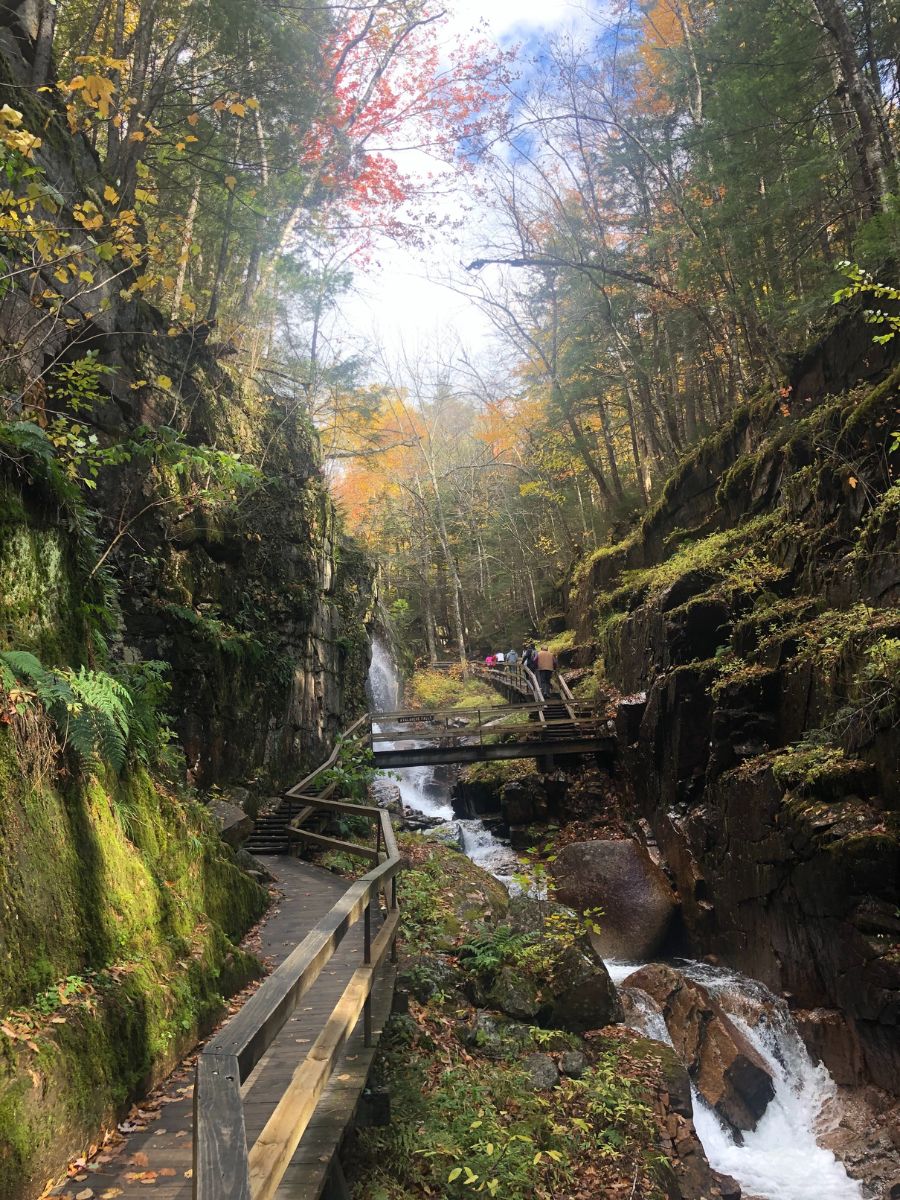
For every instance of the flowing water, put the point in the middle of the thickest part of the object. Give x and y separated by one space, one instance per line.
781 1159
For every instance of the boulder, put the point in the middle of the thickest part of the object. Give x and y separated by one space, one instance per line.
727 1071
516 994
235 826
572 1063
542 1071
386 795
620 878
583 995
449 834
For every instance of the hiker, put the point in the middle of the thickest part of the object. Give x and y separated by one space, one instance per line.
499 658
528 658
512 660
489 660
546 665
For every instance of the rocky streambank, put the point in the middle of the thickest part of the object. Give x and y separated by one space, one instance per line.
511 1065
740 1044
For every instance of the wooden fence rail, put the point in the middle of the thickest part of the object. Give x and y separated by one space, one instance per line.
225 1168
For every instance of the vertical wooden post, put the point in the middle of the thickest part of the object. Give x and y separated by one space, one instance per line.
367 957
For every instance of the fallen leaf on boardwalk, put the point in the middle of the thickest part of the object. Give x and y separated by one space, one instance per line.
189 1173
110 1194
181 1133
139 1160
86 1194
158 1132
168 1172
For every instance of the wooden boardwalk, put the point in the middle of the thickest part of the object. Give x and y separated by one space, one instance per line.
157 1160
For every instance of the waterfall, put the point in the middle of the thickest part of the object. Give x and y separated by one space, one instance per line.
780 1159
420 790
384 682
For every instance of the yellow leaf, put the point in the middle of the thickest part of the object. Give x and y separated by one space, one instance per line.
163 382
238 109
219 106
110 194
61 274
190 138
230 181
180 146
193 118
253 103
853 481
137 136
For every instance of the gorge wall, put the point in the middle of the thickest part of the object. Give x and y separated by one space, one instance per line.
751 626
165 529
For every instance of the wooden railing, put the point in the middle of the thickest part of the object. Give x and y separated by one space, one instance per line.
224 1167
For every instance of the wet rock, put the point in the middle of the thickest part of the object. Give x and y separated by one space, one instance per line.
687 1174
449 834
829 1039
542 1071
864 1134
726 1069
584 997
572 1063
235 826
386 795
515 804
620 878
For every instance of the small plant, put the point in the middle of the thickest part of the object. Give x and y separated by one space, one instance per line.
98 716
862 284
352 773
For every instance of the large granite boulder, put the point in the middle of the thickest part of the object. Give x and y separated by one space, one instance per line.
728 1072
622 879
235 826
583 995
565 986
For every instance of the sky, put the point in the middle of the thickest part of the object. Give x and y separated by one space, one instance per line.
400 304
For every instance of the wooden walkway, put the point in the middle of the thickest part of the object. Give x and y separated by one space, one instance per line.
157 1160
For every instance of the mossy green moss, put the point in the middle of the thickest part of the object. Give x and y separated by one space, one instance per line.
124 885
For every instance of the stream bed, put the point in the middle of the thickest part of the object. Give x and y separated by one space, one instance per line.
781 1159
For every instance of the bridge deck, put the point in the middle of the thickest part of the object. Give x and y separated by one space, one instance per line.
160 1154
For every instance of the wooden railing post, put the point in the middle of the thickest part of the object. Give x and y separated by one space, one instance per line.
221 1168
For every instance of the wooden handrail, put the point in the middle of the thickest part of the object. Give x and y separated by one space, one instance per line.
224 1167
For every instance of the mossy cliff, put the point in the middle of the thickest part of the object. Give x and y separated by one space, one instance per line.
751 624
178 608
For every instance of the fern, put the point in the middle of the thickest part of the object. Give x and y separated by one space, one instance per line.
89 708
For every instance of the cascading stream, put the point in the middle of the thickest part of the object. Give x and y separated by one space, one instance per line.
781 1159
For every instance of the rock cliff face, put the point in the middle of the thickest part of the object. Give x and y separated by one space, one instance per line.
752 625
259 604
119 904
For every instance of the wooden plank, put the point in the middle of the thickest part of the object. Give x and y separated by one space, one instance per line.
220 1141
342 806
330 843
273 1149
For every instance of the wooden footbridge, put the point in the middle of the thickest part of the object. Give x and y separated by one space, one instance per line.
533 726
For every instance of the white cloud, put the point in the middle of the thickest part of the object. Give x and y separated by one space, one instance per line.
401 302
